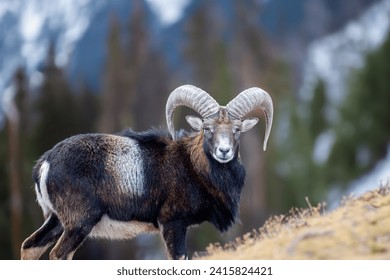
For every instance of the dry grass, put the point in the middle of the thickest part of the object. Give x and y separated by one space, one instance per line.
358 229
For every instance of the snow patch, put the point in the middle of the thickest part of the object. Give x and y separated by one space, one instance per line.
168 11
377 177
31 22
8 104
322 146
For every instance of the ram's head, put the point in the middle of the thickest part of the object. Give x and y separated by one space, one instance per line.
221 125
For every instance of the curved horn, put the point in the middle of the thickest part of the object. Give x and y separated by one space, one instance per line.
192 97
250 100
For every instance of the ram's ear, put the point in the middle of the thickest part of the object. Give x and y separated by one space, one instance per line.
248 124
195 122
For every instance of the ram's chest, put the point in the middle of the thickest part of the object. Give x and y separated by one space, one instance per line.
113 229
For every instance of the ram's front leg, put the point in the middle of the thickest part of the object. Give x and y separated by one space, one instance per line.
174 235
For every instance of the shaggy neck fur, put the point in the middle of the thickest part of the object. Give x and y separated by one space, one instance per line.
221 180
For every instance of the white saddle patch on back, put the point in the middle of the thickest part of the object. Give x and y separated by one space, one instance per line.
127 168
113 229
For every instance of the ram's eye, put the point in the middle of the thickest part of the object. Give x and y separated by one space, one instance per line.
207 130
236 130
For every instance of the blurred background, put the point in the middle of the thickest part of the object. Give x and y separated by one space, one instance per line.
69 67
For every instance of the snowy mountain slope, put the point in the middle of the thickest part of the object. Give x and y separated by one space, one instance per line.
78 28
26 28
332 59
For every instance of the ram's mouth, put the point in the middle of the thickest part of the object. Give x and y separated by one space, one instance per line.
221 158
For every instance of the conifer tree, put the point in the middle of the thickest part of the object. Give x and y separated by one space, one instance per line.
362 135
199 49
5 236
147 74
56 106
317 116
88 107
115 98
16 123
207 53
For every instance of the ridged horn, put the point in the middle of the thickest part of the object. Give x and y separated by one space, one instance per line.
192 97
250 100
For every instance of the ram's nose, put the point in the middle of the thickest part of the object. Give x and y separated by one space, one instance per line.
224 150
223 154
